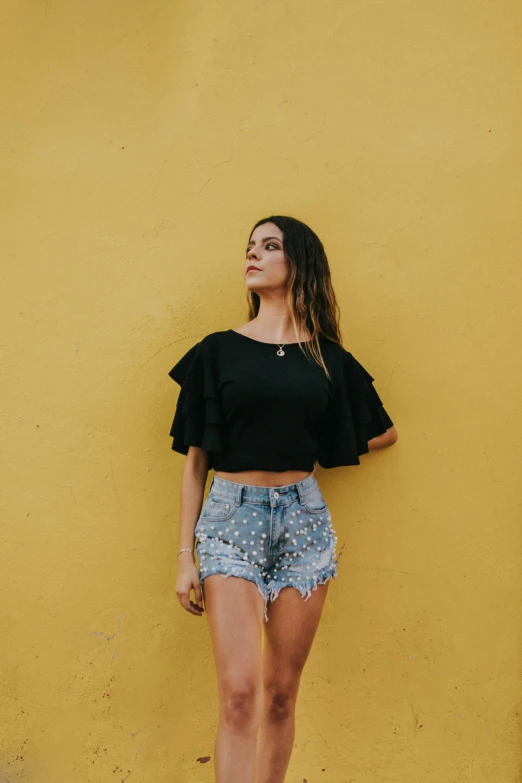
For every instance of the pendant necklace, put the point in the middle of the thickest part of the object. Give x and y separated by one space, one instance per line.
280 352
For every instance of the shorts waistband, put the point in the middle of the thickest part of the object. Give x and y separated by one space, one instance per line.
248 493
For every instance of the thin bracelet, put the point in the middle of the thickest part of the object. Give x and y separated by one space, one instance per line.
186 549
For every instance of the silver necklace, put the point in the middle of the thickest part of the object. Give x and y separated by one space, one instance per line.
280 352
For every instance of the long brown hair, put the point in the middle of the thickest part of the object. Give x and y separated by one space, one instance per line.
309 294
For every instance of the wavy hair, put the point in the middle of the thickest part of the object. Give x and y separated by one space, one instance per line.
309 294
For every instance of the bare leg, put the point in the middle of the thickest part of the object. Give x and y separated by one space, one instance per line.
234 609
289 632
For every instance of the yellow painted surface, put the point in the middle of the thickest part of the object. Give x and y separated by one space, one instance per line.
140 142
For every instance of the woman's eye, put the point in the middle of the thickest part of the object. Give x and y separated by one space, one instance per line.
270 244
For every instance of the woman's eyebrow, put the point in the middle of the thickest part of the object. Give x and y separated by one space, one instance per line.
263 240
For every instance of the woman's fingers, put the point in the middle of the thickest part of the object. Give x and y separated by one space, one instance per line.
183 592
199 594
190 606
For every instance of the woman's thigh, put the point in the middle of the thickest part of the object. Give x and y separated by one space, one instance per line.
289 636
234 610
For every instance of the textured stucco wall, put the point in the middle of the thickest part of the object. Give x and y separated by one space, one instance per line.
139 144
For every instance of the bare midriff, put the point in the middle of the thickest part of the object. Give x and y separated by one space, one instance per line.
265 478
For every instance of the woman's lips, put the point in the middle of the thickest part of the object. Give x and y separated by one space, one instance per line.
252 269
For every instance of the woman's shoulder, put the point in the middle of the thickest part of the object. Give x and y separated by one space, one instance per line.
210 339
334 349
214 339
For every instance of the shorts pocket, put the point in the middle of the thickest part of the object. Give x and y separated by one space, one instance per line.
314 502
218 509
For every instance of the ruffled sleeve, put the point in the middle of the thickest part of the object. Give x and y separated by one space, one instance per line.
355 414
197 419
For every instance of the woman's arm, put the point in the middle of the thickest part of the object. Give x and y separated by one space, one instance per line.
388 438
193 483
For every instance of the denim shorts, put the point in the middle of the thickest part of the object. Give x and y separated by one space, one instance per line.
273 536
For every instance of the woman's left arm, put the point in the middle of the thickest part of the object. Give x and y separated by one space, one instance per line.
388 438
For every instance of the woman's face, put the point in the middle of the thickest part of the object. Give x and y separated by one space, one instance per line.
265 251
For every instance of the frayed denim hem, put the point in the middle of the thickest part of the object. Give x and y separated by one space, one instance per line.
271 590
305 589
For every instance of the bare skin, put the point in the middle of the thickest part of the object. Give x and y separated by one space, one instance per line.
257 688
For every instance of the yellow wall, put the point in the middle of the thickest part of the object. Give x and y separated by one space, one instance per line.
139 144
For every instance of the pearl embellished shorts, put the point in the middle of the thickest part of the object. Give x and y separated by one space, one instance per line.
273 536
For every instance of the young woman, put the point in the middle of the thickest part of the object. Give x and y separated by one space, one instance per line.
260 405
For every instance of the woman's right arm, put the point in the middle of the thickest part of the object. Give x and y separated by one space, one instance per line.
193 482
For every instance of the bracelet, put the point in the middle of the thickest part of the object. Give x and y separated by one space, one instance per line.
185 549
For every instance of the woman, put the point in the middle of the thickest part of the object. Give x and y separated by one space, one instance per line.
260 405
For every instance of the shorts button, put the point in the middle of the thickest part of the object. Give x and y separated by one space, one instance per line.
276 494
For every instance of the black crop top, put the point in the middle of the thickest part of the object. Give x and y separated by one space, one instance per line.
251 409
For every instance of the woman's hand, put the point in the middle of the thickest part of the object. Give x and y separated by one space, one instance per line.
188 579
388 438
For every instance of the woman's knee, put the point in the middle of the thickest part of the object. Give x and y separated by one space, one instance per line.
240 703
280 697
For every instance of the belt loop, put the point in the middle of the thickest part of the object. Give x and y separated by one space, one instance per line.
239 494
300 492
